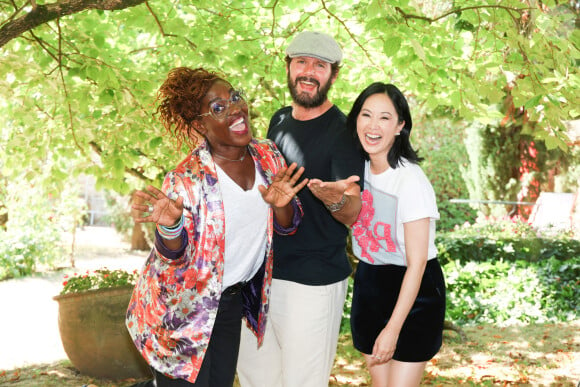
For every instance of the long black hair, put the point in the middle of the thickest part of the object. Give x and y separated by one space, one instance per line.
402 146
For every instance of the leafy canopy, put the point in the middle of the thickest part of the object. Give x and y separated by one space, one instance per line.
78 77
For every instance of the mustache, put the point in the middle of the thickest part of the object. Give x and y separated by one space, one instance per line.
307 79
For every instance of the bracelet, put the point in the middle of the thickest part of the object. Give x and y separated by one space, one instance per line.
334 207
172 232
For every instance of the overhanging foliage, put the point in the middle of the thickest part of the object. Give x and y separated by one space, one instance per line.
78 89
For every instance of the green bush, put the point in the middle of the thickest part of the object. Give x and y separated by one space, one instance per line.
440 142
504 271
504 293
345 323
561 285
23 250
504 239
38 217
452 214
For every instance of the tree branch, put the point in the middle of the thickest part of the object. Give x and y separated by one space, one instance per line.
509 10
162 30
44 13
354 39
17 10
67 98
131 171
44 46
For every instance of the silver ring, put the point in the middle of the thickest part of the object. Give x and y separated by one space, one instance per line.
150 209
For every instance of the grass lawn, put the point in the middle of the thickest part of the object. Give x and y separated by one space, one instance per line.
532 355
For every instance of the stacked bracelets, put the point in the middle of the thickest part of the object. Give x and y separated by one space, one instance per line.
172 232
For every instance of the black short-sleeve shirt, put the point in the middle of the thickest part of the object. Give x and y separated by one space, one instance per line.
315 254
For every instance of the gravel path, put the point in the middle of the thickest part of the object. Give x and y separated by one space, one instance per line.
29 323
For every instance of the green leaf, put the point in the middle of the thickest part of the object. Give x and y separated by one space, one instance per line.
155 142
418 49
552 142
242 60
118 166
374 9
575 37
99 40
392 45
533 101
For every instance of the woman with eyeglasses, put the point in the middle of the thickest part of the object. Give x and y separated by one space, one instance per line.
215 215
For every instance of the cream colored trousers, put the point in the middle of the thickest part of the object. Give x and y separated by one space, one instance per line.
301 337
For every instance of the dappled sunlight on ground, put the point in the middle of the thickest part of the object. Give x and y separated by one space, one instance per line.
532 355
511 356
32 354
349 366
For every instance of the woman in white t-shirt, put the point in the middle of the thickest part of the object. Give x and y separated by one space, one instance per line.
398 305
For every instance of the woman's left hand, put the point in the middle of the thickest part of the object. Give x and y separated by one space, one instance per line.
283 187
385 346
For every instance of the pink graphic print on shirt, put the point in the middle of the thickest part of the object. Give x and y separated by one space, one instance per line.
368 237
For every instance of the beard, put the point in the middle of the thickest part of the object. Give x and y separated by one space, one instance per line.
304 99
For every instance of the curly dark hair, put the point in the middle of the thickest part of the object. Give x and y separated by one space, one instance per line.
179 100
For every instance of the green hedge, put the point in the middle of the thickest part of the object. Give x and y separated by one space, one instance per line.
484 248
506 272
503 292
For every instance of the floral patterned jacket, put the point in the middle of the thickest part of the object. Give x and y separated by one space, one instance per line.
174 304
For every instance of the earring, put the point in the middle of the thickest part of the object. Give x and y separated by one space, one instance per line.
396 134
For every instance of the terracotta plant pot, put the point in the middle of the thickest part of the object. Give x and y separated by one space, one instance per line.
94 336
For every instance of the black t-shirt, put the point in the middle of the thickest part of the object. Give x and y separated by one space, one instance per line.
315 254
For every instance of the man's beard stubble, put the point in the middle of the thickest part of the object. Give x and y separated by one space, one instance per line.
306 100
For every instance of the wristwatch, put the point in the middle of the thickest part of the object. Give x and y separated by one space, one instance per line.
333 207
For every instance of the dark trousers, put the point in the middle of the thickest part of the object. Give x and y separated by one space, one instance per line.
219 364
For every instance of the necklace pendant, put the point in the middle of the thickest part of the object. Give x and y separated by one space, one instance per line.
232 160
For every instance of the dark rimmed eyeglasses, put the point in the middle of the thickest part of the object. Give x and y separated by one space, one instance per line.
219 107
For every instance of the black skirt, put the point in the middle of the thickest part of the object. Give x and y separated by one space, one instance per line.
376 289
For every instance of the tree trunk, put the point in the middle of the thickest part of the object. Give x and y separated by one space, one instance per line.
3 217
139 240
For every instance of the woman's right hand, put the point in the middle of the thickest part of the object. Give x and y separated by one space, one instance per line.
158 207
283 187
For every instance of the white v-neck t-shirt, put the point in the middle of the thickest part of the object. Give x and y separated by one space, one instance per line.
246 213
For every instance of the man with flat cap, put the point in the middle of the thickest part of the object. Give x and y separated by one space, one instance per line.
311 268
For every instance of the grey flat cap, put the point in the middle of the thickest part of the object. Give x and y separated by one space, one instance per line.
315 44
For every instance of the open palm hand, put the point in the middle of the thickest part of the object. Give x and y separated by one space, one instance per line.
283 187
161 209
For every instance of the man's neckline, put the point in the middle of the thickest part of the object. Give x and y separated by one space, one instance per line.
302 114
